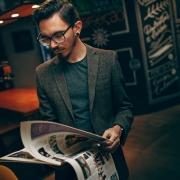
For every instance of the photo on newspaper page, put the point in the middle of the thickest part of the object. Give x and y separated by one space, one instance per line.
94 164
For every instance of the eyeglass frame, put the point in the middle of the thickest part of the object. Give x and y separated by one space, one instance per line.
51 37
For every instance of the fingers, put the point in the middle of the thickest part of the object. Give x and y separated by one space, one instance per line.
106 134
110 134
113 135
112 147
107 143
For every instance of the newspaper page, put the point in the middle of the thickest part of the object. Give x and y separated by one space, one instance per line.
90 164
21 156
54 142
94 164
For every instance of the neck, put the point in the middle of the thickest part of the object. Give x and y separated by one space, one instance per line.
78 53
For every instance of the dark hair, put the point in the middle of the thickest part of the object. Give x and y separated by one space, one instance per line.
66 11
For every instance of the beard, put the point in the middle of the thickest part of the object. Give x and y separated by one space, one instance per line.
65 57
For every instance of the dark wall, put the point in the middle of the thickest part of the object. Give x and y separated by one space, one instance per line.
2 52
145 36
27 57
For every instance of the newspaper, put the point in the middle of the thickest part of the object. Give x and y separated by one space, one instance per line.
56 144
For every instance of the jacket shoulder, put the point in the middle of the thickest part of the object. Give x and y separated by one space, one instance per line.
46 65
99 50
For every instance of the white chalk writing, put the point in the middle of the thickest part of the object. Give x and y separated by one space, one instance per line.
158 26
155 9
162 83
145 2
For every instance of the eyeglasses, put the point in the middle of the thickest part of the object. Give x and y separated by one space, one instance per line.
57 37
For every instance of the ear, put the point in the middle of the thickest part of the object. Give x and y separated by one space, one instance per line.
78 27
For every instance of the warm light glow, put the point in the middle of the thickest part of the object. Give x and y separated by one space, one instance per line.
1 21
14 15
35 6
7 69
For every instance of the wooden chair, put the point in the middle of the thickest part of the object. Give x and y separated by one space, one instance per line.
6 173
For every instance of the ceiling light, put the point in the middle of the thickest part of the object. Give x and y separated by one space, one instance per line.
1 21
35 6
14 15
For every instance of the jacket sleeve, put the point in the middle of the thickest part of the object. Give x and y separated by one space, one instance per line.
121 105
46 109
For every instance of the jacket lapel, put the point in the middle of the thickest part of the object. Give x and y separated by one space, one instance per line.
93 61
61 84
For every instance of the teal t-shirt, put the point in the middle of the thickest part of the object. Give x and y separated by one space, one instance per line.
77 83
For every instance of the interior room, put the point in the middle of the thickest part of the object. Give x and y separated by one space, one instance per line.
146 36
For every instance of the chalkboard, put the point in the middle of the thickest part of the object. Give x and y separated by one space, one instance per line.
102 21
159 49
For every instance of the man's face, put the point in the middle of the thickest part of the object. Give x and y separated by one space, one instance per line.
50 27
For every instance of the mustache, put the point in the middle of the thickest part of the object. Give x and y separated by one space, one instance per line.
57 48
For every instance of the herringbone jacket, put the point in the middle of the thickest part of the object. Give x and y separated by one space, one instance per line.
108 102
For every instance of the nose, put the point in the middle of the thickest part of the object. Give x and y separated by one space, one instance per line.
53 44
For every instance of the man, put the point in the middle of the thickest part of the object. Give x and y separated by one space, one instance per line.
82 86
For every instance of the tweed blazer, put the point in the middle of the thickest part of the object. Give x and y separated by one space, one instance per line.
108 102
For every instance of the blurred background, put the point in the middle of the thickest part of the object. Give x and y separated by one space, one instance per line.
146 36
